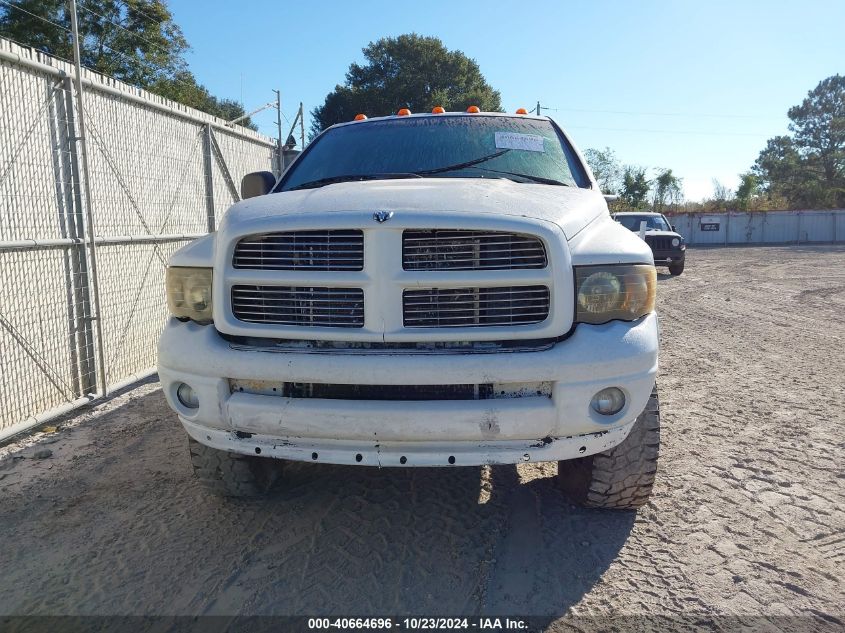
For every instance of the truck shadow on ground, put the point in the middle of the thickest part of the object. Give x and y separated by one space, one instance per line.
139 535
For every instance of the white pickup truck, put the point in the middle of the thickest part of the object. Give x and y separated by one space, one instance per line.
444 289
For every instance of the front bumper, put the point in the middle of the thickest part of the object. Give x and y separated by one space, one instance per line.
665 258
413 433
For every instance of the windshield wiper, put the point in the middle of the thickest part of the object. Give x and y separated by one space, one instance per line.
314 184
540 179
464 165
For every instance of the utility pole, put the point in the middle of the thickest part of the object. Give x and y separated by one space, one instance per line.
539 109
301 128
279 152
89 214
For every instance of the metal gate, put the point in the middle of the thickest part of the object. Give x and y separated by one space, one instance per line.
159 175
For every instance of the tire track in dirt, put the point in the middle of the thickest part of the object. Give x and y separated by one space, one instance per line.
747 517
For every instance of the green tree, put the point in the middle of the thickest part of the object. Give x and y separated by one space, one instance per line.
606 169
747 191
807 169
183 87
819 128
408 71
635 187
666 193
135 41
782 171
721 200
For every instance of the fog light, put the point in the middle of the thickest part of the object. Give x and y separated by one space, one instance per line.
187 396
608 401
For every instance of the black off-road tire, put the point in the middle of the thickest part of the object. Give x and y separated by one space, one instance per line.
232 474
676 270
622 477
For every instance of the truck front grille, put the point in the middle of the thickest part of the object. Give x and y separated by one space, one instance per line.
304 306
438 249
659 242
475 307
331 250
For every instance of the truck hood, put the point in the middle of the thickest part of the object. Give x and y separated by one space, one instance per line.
663 234
570 208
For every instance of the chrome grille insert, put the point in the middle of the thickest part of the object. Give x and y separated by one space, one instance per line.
475 307
304 306
330 250
437 249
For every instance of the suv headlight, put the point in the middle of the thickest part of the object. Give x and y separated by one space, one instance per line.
189 293
618 291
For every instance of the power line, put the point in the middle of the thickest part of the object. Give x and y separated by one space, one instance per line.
165 72
646 131
678 114
146 15
123 28
106 46
43 19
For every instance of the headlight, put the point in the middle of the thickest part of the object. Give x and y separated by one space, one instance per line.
676 242
189 293
618 291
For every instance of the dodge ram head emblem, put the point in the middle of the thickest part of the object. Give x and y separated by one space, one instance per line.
382 216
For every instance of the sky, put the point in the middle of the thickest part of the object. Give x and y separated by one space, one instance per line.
697 87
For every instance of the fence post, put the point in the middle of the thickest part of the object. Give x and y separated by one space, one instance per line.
79 264
89 232
209 182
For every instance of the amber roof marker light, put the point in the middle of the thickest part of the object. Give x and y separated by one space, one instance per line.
473 110
404 112
438 110
360 117
522 111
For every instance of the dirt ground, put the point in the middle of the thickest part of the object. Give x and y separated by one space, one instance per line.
747 519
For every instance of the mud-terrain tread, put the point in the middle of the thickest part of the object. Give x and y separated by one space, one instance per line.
232 474
621 478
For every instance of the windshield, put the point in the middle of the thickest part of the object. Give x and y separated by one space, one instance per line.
520 149
653 222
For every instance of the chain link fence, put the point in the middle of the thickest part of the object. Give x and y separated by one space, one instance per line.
160 174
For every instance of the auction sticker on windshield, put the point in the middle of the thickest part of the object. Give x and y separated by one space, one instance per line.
514 140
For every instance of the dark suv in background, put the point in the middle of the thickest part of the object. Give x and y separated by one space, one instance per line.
666 244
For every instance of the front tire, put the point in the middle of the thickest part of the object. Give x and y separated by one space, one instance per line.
232 474
621 478
676 269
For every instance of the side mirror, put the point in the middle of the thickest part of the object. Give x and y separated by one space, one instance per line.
672 226
258 183
610 197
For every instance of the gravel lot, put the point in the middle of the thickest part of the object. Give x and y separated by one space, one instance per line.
748 516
